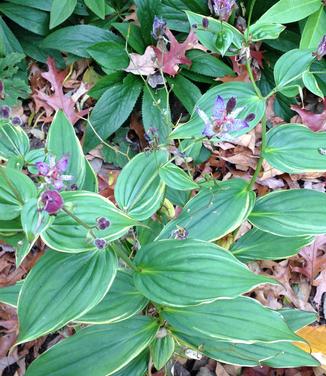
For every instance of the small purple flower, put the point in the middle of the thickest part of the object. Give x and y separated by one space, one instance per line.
224 119
180 234
52 201
4 112
159 27
100 243
42 168
221 8
151 134
321 50
62 164
103 223
16 120
205 22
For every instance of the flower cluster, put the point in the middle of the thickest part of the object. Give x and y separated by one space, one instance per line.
224 119
221 8
5 113
53 172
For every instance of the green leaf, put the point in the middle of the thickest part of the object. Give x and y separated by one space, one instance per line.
139 190
60 11
62 140
112 110
137 367
96 6
65 235
185 272
37 4
9 294
174 177
214 212
46 302
311 84
207 37
246 99
77 39
154 116
260 245
97 350
314 29
295 212
132 34
294 148
287 11
276 355
11 226
15 190
9 43
161 351
104 83
186 91
296 318
242 320
28 18
110 55
204 63
290 67
91 182
14 142
260 31
120 303
146 11
34 221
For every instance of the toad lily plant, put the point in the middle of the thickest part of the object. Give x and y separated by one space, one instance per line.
139 283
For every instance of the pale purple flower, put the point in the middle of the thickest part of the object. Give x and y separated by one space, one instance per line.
62 164
221 8
42 168
321 50
16 120
52 201
100 243
103 223
180 233
224 119
159 27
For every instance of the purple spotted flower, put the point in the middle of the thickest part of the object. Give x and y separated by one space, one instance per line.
4 112
102 223
221 8
159 27
321 50
224 119
52 201
180 233
53 172
100 243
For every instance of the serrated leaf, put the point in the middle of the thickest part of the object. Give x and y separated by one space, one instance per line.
120 303
62 140
185 272
47 303
112 110
111 347
240 320
294 212
139 190
66 235
174 177
294 148
60 11
204 216
260 245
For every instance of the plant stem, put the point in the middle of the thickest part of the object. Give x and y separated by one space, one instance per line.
79 221
249 19
261 158
120 253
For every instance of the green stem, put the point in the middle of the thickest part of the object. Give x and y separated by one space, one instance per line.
79 221
120 253
249 20
261 158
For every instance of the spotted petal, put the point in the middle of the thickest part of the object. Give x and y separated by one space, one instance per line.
219 108
208 129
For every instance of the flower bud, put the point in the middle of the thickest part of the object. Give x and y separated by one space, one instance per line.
205 22
100 243
16 120
103 223
4 112
52 201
